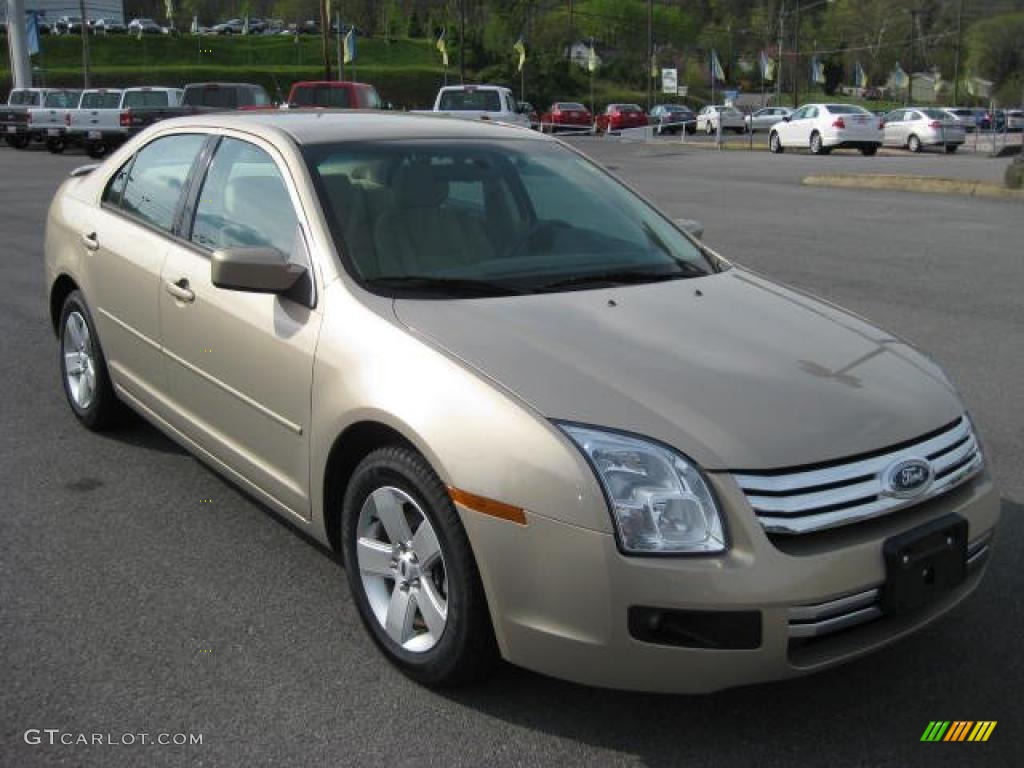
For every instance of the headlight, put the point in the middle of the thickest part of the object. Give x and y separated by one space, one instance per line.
660 503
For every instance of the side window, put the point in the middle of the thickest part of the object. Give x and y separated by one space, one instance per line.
812 112
245 202
115 187
800 114
157 178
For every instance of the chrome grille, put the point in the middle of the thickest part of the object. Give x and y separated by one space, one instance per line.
813 500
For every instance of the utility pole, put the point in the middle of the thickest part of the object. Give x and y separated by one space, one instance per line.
85 44
21 64
796 59
779 55
650 54
959 43
325 38
910 75
462 41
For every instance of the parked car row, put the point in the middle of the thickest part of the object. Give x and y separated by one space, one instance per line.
101 119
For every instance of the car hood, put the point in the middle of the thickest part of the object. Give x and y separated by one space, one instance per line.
733 370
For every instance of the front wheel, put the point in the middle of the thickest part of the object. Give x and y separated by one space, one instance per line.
96 149
951 148
914 143
412 573
775 144
869 151
83 367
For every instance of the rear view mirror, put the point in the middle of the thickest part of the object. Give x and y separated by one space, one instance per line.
259 270
691 227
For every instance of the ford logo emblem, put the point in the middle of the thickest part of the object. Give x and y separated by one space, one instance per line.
907 478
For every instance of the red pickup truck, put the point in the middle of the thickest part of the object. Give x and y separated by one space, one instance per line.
334 94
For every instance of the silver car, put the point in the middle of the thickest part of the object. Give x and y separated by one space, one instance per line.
764 119
963 116
919 127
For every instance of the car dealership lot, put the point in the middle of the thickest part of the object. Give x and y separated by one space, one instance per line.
142 593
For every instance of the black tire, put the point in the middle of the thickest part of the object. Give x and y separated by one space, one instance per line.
56 146
466 650
709 129
817 147
869 151
775 144
104 411
691 128
951 148
96 149
914 143
18 142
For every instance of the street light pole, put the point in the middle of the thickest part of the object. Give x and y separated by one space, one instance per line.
796 59
462 41
650 54
959 43
21 64
85 45
779 54
325 38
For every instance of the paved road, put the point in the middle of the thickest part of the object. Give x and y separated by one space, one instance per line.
129 605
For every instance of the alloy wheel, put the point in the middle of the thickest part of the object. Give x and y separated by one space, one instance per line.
402 569
79 361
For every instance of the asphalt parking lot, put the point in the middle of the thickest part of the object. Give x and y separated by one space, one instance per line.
140 592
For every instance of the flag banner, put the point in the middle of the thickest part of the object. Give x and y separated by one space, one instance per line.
655 70
899 77
717 73
169 11
817 70
520 48
32 32
592 61
350 45
860 77
767 67
195 25
442 47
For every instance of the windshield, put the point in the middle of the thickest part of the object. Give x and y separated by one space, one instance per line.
322 96
23 98
570 106
847 109
483 101
451 219
101 100
138 99
62 99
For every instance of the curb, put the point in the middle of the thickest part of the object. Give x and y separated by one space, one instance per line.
927 184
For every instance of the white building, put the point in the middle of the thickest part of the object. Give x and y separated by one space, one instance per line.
51 10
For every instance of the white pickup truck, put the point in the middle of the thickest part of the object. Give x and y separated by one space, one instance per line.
36 114
479 102
106 117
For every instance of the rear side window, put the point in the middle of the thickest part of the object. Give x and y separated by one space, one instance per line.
157 178
245 202
139 99
483 101
101 100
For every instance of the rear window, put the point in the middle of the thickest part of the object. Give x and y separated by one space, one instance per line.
847 109
482 101
145 99
323 96
62 99
570 106
961 112
24 99
630 108
101 100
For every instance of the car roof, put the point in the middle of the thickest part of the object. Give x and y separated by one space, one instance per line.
318 126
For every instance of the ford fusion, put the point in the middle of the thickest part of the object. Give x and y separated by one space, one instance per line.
539 420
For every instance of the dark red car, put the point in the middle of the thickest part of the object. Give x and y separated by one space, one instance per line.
619 116
564 115
338 94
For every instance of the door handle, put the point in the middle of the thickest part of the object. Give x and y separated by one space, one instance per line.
91 242
180 290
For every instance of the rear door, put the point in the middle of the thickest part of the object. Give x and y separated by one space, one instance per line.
239 365
125 244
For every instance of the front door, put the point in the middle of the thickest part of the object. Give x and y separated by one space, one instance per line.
239 365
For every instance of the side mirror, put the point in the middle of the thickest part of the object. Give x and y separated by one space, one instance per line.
787 118
258 270
694 228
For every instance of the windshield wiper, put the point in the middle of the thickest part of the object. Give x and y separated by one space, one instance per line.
444 285
618 277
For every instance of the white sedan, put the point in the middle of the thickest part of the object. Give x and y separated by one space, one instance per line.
730 117
824 127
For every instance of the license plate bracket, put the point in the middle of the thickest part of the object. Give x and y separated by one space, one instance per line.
923 563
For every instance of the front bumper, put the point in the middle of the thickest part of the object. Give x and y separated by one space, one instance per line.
559 595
